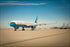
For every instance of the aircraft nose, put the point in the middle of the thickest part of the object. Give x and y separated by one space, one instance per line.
12 24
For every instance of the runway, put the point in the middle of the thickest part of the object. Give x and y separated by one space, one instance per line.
28 38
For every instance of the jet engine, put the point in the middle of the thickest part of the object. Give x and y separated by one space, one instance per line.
33 27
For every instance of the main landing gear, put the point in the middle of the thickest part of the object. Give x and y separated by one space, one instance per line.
32 28
23 29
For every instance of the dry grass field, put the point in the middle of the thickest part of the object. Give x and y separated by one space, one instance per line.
38 37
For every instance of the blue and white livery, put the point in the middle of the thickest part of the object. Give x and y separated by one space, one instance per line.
23 24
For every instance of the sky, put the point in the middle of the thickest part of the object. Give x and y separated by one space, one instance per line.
48 11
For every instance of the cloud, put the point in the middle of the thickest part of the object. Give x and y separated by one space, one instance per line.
19 3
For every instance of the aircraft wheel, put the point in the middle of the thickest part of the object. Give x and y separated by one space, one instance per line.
23 29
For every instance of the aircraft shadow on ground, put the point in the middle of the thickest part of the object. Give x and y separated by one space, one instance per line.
32 39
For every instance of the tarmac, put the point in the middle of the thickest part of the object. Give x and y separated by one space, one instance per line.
36 38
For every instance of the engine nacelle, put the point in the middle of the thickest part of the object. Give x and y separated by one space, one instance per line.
33 26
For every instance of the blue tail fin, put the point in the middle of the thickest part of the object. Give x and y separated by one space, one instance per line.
36 20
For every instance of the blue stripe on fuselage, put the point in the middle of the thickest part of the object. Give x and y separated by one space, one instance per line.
25 25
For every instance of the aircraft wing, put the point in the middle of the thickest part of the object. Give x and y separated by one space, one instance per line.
40 24
44 24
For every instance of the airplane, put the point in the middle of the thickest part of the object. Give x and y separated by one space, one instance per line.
24 24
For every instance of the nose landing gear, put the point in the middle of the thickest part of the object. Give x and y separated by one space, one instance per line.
14 28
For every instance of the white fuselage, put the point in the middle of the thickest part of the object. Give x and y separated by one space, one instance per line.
23 23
